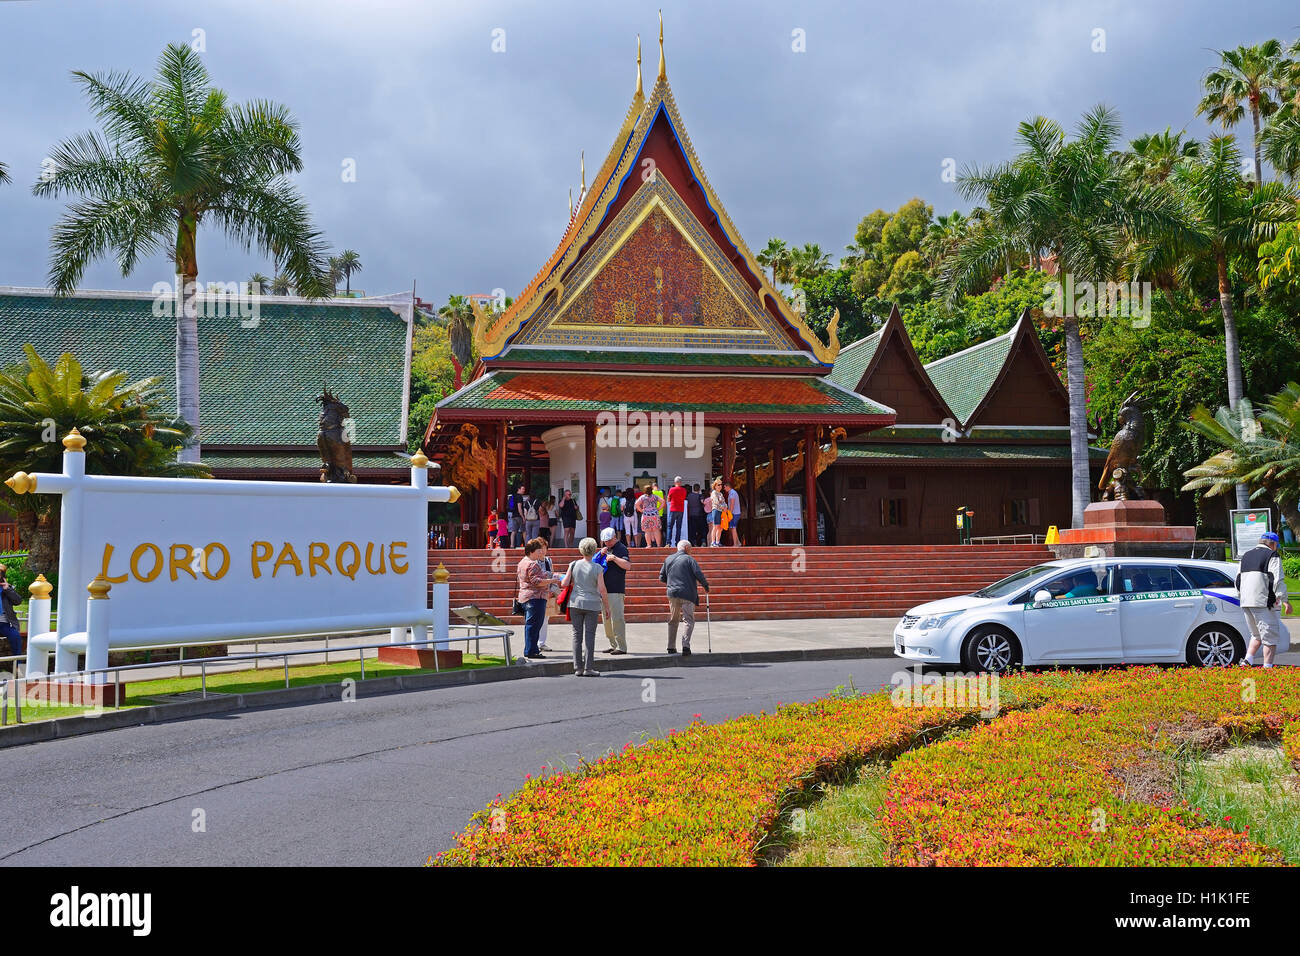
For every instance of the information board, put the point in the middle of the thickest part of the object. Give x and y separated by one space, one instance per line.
1247 526
789 512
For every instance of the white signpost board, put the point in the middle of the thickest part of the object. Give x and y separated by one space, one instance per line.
203 560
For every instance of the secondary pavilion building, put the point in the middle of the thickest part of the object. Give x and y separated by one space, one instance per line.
650 345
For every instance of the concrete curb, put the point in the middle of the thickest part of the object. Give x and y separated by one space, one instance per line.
16 735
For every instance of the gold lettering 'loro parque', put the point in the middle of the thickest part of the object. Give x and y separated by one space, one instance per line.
167 560
149 562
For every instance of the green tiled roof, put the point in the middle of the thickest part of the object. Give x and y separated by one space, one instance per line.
292 460
257 385
504 390
853 361
800 360
964 378
963 450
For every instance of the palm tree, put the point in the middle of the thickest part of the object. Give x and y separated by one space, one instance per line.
281 285
1280 141
257 282
173 154
126 428
1151 157
4 173
348 263
1230 218
336 272
1246 78
1259 452
808 262
1069 199
775 256
459 315
943 237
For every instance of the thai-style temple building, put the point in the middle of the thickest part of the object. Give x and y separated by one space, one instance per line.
651 345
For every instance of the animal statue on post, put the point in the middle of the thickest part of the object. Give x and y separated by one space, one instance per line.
333 440
1121 478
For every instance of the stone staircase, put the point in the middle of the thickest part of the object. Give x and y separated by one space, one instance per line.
766 583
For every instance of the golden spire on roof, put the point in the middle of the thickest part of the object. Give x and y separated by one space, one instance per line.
663 69
582 164
570 202
640 94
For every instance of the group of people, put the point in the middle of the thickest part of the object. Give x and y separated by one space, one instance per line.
644 518
592 589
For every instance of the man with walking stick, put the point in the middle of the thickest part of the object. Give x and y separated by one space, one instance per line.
681 573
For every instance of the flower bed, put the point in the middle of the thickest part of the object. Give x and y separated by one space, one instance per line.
1080 781
1043 783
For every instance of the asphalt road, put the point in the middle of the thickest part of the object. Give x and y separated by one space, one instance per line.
380 780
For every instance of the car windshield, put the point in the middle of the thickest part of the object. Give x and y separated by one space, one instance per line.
1008 585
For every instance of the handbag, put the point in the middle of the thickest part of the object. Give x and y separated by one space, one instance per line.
562 599
519 608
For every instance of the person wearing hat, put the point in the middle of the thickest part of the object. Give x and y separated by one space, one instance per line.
1261 586
677 511
616 560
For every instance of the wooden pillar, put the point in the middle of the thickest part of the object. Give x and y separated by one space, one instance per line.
501 491
810 483
728 451
751 507
589 508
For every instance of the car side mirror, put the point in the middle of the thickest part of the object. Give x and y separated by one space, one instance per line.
1042 596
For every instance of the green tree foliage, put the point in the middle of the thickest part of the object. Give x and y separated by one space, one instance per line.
881 239
833 290
937 330
126 427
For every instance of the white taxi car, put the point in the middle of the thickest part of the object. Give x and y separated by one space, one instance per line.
1085 611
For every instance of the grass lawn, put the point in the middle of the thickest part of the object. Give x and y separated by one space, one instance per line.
1252 789
842 828
143 693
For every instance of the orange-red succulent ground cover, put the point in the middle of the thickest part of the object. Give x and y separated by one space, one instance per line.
1067 773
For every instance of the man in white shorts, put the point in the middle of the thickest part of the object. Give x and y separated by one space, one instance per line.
1261 585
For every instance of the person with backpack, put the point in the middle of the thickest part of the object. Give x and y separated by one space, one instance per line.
531 517
631 520
713 509
733 505
695 526
681 573
569 517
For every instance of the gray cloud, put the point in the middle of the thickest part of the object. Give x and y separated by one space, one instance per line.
465 157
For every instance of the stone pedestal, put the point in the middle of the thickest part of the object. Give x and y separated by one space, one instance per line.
420 657
1133 529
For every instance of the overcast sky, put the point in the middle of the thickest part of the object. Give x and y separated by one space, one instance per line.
464 156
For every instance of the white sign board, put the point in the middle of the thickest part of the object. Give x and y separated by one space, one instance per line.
1247 526
189 559
789 512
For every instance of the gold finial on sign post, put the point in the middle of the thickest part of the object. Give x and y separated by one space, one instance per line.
41 589
419 460
99 588
74 441
21 483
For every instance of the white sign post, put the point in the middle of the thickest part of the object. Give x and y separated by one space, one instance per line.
198 560
789 517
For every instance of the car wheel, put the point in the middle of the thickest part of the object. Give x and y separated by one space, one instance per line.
990 650
1215 645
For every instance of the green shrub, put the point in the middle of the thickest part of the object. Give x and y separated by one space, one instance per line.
18 575
1291 565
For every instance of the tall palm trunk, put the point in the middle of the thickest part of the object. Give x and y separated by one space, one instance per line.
1254 116
1236 388
1080 477
187 334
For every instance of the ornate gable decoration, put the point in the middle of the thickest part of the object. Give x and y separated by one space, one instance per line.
655 279
546 294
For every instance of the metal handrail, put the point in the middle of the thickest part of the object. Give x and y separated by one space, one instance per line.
6 689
